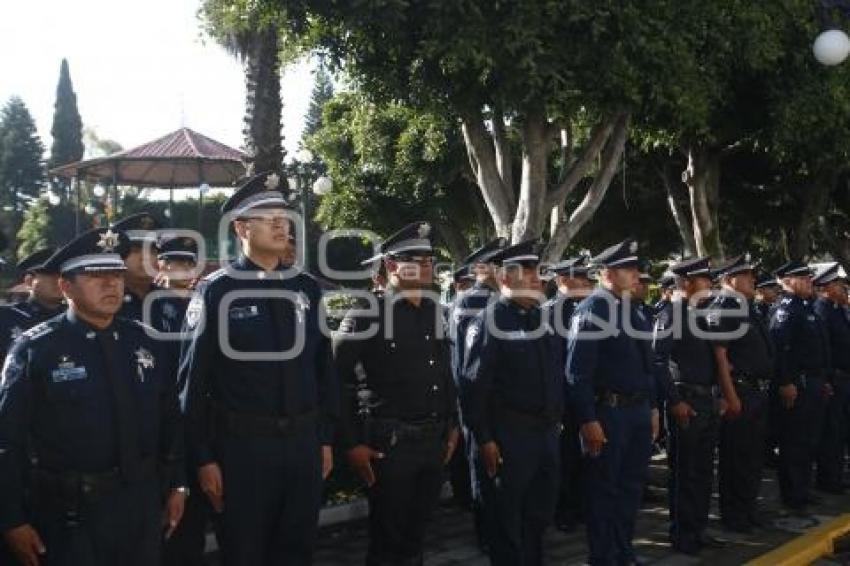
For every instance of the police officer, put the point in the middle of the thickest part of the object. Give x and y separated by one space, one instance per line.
44 302
802 364
573 282
178 260
611 387
462 280
88 417
744 354
831 286
666 284
261 398
400 412
165 312
641 293
512 401
688 376
767 295
465 308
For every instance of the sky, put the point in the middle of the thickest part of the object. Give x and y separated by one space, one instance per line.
140 70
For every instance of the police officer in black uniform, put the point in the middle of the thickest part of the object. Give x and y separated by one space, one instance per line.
45 300
666 285
802 366
767 295
178 261
89 418
687 374
512 395
744 352
573 281
465 308
261 398
611 387
831 287
400 412
165 310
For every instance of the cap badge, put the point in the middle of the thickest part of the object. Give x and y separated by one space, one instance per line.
108 241
272 182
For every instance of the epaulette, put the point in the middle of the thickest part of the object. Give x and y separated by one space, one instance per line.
217 274
41 329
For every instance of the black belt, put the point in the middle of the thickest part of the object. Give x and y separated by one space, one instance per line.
614 399
71 485
240 424
527 419
695 390
397 430
742 379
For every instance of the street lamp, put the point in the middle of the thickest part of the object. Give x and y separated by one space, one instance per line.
832 46
53 198
99 191
322 186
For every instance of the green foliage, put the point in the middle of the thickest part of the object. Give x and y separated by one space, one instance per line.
35 230
21 153
323 90
67 130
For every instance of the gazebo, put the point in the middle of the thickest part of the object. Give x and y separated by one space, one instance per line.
180 160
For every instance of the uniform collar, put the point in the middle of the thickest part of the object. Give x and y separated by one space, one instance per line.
244 263
87 329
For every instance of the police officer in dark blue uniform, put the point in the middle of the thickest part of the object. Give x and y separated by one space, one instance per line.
260 394
611 387
687 374
744 352
165 311
89 418
573 281
767 295
831 287
512 395
802 366
400 410
666 284
45 300
465 308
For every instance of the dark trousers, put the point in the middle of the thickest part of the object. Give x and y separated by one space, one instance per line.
799 438
482 516
570 508
119 527
272 495
521 498
187 542
742 458
614 483
403 499
830 474
690 458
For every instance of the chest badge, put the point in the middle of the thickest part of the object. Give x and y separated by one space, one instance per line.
67 370
144 360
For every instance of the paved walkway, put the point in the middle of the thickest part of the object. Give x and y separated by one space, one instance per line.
451 540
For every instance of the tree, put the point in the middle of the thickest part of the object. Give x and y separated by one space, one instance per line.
391 165
253 37
97 146
35 230
67 129
323 90
21 153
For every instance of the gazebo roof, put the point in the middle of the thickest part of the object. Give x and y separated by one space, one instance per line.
183 158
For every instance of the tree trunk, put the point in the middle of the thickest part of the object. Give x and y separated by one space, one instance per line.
703 179
680 215
610 162
262 130
454 239
531 212
814 206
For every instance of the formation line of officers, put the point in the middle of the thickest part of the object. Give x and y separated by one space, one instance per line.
138 406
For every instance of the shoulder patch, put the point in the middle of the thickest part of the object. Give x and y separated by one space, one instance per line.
215 275
194 311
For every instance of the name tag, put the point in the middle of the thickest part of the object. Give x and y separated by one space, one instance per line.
68 374
241 313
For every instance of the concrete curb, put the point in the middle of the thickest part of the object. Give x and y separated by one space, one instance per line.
807 548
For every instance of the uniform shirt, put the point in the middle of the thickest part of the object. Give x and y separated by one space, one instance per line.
465 308
614 360
752 354
765 309
559 311
402 371
235 311
801 340
681 356
56 404
166 310
14 319
838 328
512 363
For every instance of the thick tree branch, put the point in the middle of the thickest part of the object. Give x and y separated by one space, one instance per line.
680 214
503 148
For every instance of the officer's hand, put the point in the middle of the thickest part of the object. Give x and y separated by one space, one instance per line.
682 412
788 393
360 458
656 424
732 407
593 437
451 444
492 458
209 477
327 461
25 544
173 511
828 390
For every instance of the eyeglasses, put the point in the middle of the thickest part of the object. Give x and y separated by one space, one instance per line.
268 220
420 259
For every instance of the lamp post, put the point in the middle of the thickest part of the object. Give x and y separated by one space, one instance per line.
832 46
